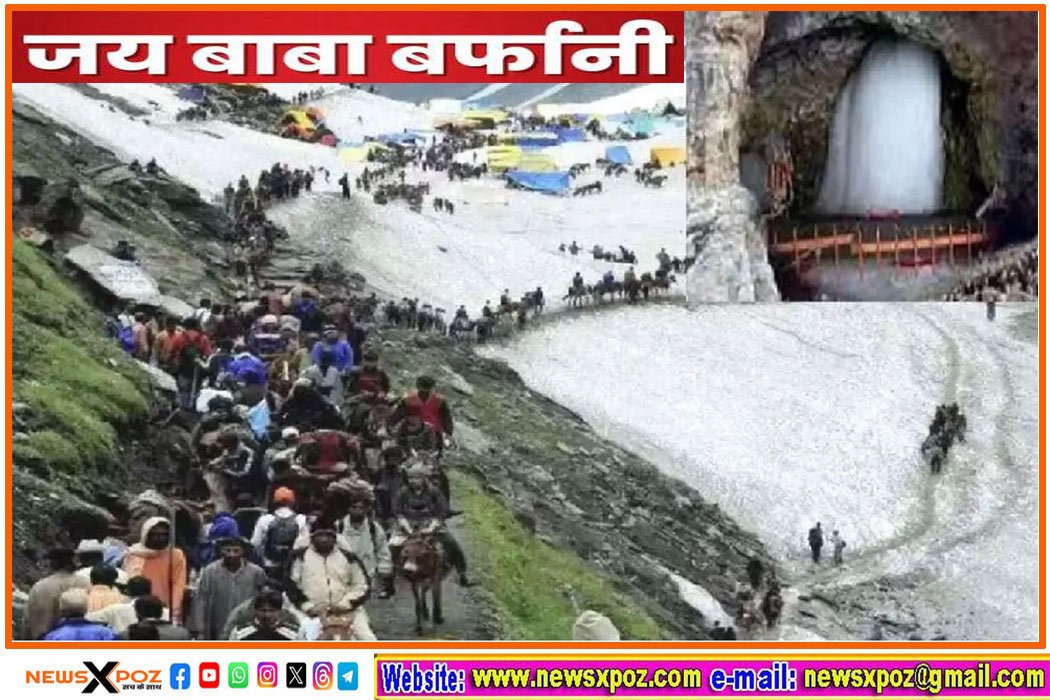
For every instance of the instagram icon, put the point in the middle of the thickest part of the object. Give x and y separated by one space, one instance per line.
323 675
266 674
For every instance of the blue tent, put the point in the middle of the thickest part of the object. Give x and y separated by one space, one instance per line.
618 154
541 182
570 135
403 137
193 93
641 125
536 140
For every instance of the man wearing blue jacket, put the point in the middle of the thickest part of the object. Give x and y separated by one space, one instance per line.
247 368
342 353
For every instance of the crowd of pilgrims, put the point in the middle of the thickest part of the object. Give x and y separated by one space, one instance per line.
1009 275
251 239
308 470
312 469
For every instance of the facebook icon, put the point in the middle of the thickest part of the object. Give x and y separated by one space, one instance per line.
179 678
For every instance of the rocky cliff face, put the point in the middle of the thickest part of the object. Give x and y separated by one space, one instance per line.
724 230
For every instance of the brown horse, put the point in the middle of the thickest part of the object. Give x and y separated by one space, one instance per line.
423 563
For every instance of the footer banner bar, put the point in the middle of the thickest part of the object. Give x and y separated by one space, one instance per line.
695 677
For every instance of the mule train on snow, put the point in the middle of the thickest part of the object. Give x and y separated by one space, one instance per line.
947 428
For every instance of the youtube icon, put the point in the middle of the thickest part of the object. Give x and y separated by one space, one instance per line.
208 676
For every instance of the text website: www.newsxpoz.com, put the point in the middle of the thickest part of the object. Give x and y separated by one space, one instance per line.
778 677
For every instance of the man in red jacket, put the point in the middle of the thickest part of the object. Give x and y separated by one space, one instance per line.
429 407
189 350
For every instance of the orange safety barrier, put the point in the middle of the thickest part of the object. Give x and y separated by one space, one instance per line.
809 242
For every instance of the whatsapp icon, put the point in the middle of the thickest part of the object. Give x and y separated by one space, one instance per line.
238 675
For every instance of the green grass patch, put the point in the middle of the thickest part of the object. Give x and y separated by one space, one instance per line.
79 385
531 582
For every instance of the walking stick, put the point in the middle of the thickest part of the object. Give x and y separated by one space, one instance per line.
171 564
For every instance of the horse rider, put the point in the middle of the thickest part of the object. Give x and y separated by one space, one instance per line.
325 576
413 434
428 406
420 507
608 279
369 378
577 281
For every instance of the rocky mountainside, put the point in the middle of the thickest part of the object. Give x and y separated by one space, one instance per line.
723 226
177 234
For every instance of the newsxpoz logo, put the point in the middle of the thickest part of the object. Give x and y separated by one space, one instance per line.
108 677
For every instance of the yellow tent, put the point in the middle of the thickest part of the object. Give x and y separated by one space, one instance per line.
298 117
667 156
537 163
359 154
495 115
457 122
353 154
503 157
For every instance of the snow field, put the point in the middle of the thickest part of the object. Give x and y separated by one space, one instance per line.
790 414
497 238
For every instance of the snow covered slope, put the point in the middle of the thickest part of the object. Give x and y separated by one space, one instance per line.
498 239
791 414
205 155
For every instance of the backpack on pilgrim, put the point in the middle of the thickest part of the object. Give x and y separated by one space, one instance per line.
280 538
